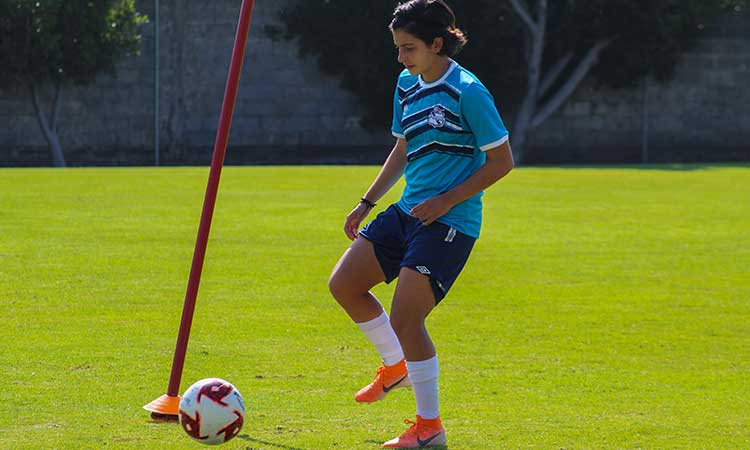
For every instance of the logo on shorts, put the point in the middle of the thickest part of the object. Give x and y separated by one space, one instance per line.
437 117
423 270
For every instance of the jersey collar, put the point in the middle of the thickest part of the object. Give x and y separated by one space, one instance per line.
441 79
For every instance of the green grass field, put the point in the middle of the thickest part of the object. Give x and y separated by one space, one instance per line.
603 308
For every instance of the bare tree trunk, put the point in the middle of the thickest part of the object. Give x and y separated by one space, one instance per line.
49 127
521 127
536 30
532 114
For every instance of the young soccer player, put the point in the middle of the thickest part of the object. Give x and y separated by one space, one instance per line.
451 144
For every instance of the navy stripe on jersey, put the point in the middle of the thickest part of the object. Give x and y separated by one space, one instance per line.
433 90
406 92
449 116
427 127
457 150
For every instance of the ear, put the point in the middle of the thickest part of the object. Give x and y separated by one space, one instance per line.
437 45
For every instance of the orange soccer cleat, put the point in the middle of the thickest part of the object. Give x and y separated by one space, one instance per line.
422 433
386 379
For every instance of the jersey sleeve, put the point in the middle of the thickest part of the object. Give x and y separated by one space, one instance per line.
480 114
398 114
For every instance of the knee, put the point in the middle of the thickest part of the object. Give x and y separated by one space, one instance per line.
341 288
404 327
336 285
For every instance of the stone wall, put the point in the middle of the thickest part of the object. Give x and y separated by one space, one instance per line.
287 112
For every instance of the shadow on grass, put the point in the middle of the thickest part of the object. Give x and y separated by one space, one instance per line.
163 420
245 437
432 447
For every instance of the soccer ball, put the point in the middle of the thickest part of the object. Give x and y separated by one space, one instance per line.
212 411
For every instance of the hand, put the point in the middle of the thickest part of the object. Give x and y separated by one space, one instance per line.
358 214
431 209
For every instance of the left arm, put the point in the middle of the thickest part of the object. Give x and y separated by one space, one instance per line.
499 163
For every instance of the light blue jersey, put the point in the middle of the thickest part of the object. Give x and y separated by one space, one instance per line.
448 125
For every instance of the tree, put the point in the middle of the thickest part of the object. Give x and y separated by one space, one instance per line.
59 42
619 41
531 54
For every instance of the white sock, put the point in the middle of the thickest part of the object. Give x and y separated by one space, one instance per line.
381 335
424 381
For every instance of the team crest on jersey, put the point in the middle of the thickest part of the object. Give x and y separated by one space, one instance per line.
437 117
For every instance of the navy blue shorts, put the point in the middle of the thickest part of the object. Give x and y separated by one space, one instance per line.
437 250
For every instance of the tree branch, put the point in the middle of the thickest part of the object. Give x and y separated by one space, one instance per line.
541 13
570 85
552 74
536 55
49 133
56 104
37 108
523 13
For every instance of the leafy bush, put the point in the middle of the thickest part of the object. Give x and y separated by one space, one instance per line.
351 41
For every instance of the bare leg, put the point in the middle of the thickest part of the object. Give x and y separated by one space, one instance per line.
412 303
356 273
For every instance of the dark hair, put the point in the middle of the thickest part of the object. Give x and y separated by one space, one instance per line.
427 20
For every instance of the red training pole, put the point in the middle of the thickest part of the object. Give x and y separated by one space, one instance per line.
167 405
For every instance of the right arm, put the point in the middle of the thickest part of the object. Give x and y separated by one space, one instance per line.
392 170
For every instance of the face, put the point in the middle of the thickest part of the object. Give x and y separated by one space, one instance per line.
415 54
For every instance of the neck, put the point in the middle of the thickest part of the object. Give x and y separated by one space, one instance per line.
437 70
